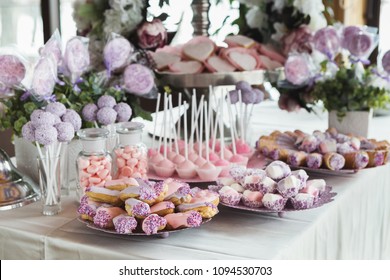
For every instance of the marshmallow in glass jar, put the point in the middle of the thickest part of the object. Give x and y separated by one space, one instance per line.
94 163
130 155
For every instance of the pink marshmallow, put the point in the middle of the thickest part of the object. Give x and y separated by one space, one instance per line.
103 173
94 180
92 169
83 163
126 156
120 162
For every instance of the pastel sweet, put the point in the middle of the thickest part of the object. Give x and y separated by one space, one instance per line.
344 148
178 192
164 168
237 187
328 146
217 64
102 194
105 215
268 185
356 160
124 224
274 202
277 170
296 158
318 184
93 171
137 208
253 199
130 192
183 220
199 48
229 195
225 181
289 186
120 184
303 201
377 158
208 172
309 144
334 161
153 223
314 160
87 209
153 194
203 201
252 182
162 208
186 169
131 160
301 175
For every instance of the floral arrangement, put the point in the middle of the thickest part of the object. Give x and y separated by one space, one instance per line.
108 58
336 72
280 22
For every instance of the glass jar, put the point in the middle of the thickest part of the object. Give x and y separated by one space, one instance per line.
94 163
131 153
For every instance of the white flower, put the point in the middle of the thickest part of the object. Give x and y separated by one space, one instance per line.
309 7
255 18
279 5
317 21
281 30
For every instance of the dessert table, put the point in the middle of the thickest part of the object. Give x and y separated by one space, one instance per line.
356 225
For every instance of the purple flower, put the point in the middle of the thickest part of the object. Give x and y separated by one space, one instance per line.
124 112
89 112
152 35
106 101
116 53
106 116
72 117
56 108
298 40
386 62
28 132
360 44
138 79
65 131
12 70
46 134
348 33
40 117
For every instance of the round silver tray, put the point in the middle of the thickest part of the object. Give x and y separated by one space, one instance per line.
204 80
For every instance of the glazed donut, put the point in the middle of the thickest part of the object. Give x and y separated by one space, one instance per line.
87 208
120 184
102 194
183 220
124 224
105 215
130 192
153 223
137 208
163 208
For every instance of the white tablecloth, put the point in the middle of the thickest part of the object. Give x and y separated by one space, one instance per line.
356 225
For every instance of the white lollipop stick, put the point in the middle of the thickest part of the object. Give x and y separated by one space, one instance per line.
207 121
240 119
200 129
165 125
232 125
173 125
155 120
179 121
216 125
221 132
185 131
193 111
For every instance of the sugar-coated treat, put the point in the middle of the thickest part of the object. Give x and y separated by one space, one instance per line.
237 187
334 161
137 208
153 223
178 159
252 199
200 161
303 201
105 215
225 181
46 134
162 208
121 184
164 168
178 192
328 146
56 108
123 111
238 173
252 182
289 186
91 170
239 159
296 158
89 112
274 202
106 116
39 117
377 157
131 162
225 165
277 170
186 169
214 188
102 194
314 160
28 131
229 195
87 208
72 117
65 131
301 175
344 148
356 160
242 147
12 71
183 220
106 101
267 185
124 224
309 144
203 201
318 184
116 53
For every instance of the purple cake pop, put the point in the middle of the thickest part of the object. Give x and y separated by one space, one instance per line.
124 112
65 131
106 116
106 101
89 112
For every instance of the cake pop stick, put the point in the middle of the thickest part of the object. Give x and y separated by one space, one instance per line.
185 131
164 124
162 127
214 137
193 110
240 115
201 130
179 120
155 120
232 125
194 125
174 127
208 122
221 130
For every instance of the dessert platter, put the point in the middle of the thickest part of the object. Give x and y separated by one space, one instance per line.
329 151
275 189
140 207
200 62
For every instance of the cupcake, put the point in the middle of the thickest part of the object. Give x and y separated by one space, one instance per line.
229 195
302 201
274 202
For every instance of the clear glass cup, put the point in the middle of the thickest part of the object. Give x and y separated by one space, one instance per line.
49 171
94 163
130 155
